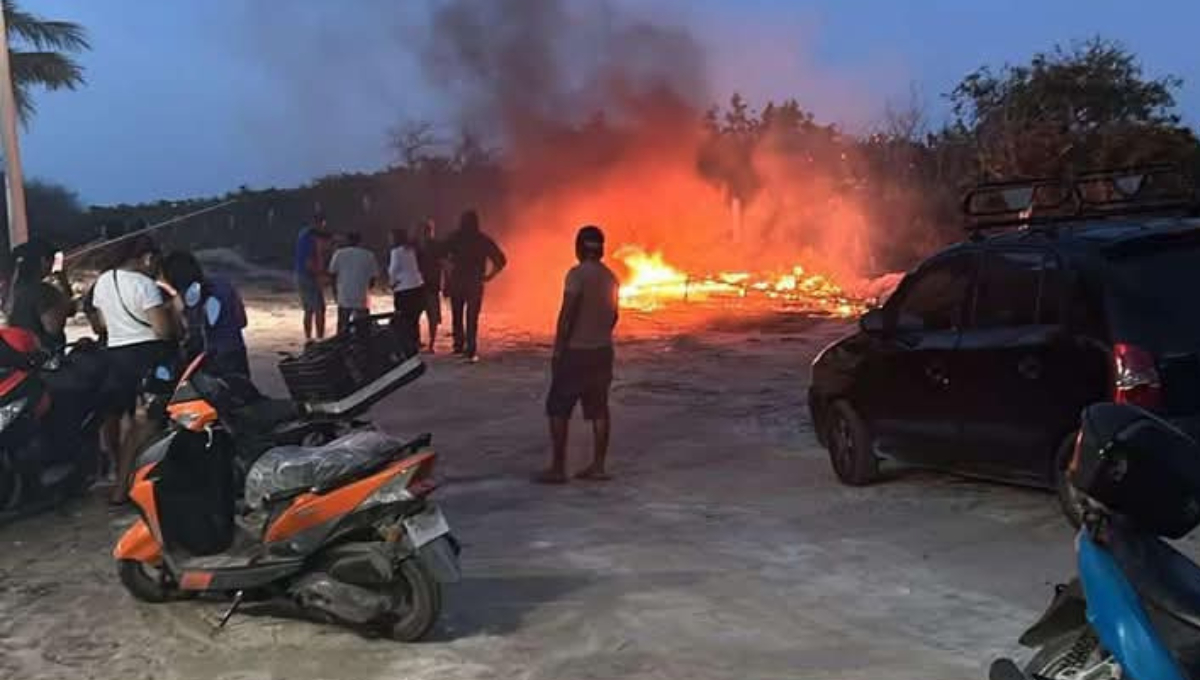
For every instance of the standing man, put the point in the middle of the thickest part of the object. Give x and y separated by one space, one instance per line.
429 260
582 368
469 253
312 254
354 271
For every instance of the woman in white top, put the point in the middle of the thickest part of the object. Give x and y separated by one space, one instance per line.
408 288
140 327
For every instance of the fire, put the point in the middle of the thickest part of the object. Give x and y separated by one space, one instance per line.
652 283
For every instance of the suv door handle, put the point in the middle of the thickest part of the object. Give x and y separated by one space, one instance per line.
1029 367
936 372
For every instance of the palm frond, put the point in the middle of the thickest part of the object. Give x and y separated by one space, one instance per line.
25 106
44 35
50 70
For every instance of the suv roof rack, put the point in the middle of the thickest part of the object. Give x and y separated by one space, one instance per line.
1098 194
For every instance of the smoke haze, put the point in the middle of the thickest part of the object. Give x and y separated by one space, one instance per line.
600 117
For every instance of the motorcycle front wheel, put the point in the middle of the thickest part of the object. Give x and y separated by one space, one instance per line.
143 581
418 598
1074 655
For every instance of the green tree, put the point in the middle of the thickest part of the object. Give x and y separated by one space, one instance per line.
41 53
1070 109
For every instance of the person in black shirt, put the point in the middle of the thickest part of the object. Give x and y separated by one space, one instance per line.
468 255
429 261
39 306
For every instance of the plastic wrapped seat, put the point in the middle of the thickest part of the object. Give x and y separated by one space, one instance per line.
287 469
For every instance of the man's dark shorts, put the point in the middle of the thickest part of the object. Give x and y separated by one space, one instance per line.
581 375
312 295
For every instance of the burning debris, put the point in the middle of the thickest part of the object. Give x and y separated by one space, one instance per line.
651 283
620 139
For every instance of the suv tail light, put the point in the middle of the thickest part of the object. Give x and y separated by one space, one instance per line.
1135 377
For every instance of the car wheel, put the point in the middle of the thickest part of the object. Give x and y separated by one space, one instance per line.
1068 496
10 482
851 449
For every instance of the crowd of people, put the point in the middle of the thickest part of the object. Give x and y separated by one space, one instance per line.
152 313
420 271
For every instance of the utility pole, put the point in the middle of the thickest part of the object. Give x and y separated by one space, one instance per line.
14 179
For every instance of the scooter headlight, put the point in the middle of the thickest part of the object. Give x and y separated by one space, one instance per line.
11 411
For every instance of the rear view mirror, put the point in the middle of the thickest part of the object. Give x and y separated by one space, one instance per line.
872 322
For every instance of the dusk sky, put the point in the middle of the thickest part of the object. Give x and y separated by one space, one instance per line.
189 98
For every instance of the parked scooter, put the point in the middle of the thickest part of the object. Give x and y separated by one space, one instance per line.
256 423
48 423
344 532
1134 609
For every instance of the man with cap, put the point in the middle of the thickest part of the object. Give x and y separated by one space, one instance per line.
582 367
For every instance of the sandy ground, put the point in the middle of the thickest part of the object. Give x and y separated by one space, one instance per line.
725 548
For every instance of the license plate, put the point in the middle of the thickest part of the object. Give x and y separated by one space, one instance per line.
426 527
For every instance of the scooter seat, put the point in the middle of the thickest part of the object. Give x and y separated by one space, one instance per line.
1162 575
265 414
286 470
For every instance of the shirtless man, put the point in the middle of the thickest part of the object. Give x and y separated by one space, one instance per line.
582 367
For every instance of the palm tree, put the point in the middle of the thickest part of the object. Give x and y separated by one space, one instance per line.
41 53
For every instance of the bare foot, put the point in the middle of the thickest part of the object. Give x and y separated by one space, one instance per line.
551 476
593 473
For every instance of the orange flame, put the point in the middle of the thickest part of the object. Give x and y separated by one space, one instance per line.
652 283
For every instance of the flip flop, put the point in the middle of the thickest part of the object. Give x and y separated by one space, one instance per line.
551 478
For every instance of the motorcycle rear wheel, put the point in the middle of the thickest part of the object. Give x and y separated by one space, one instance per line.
143 581
419 597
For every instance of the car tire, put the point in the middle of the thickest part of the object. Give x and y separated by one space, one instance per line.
11 483
851 447
1068 497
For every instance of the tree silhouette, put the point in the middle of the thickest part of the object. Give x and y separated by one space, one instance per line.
1075 108
41 53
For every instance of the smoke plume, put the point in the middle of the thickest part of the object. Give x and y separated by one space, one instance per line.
600 118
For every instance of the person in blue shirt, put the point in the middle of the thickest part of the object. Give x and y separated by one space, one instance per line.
310 263
214 313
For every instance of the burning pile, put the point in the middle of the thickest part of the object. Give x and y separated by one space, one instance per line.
651 283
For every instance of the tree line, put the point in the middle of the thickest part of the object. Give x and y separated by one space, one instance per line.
1068 110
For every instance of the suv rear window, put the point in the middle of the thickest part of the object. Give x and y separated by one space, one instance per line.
1155 294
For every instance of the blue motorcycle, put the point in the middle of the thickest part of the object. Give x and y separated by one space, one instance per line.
1133 612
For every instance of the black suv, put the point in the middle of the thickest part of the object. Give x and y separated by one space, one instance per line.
983 358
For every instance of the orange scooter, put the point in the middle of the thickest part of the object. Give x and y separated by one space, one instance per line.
342 533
